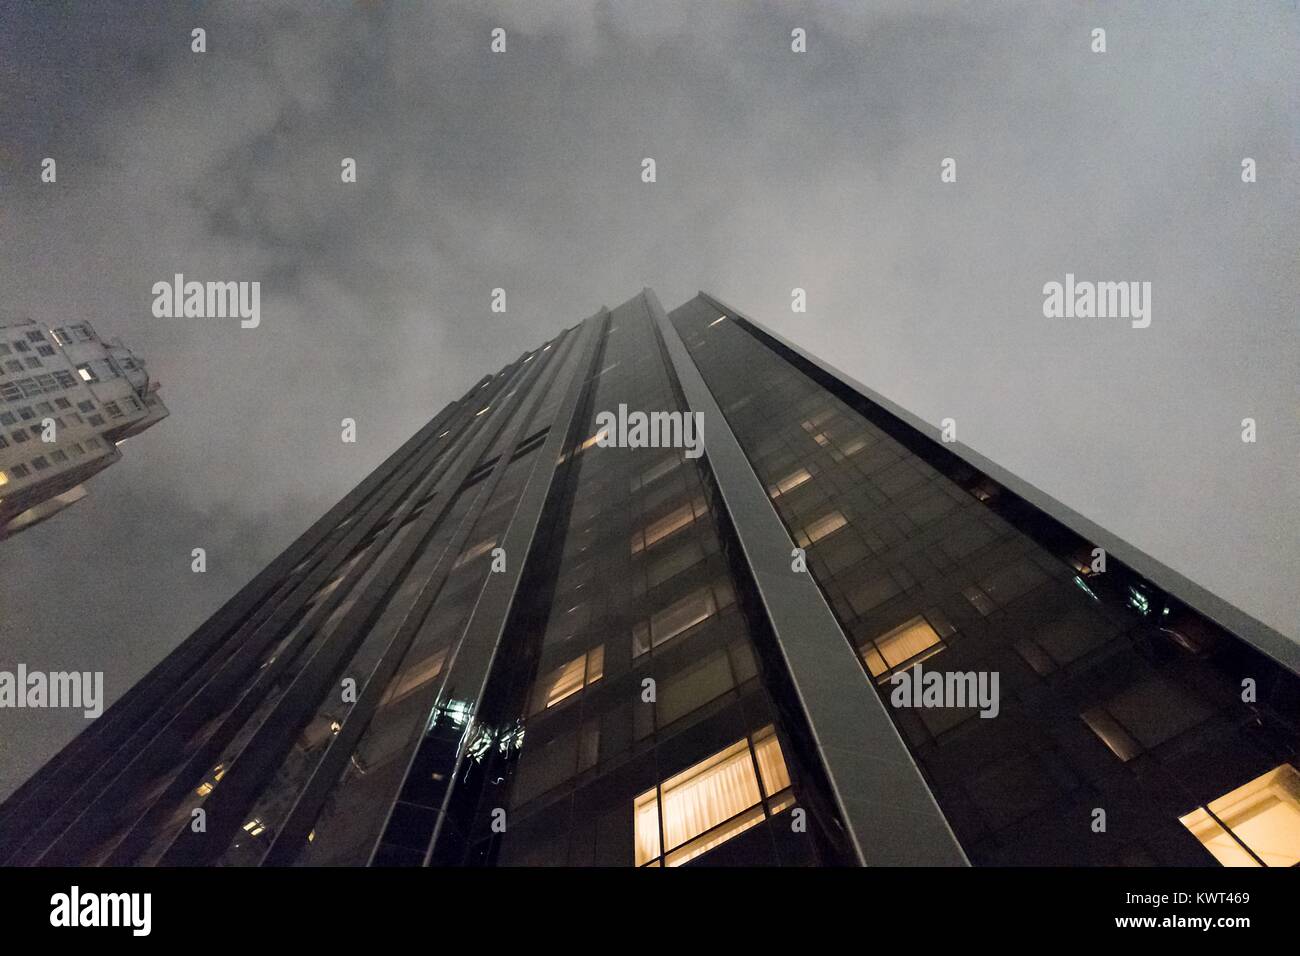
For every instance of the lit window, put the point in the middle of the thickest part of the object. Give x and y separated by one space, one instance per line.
789 483
1263 814
678 617
910 643
4 478
669 524
254 827
86 374
711 802
567 679
825 525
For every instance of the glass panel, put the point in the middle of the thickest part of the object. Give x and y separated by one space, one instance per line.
771 762
910 639
823 526
645 811
731 828
1264 814
705 795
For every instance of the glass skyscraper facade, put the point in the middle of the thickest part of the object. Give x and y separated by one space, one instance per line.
528 640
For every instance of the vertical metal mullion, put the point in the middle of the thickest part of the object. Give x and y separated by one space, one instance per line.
148 745
889 812
260 756
484 630
75 761
406 483
302 816
70 762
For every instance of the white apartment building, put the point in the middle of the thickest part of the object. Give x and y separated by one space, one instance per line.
67 401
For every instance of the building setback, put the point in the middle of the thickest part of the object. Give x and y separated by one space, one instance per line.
515 645
67 399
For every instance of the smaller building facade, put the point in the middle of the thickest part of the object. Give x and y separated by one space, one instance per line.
68 399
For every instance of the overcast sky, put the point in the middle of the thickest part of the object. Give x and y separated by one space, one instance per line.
522 171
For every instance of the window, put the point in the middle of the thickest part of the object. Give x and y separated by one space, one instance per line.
1264 815
86 406
22 347
711 802
703 681
64 379
19 471
789 482
669 524
656 471
567 679
688 554
32 361
19 436
35 337
4 442
62 403
8 418
4 479
87 374
825 525
40 463
679 617
46 350
61 336
96 419
58 455
114 411
910 643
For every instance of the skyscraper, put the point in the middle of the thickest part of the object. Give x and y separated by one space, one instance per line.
67 400
548 631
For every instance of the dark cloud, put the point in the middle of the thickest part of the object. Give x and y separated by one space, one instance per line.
522 171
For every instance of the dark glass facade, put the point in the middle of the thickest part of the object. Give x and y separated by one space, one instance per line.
516 645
